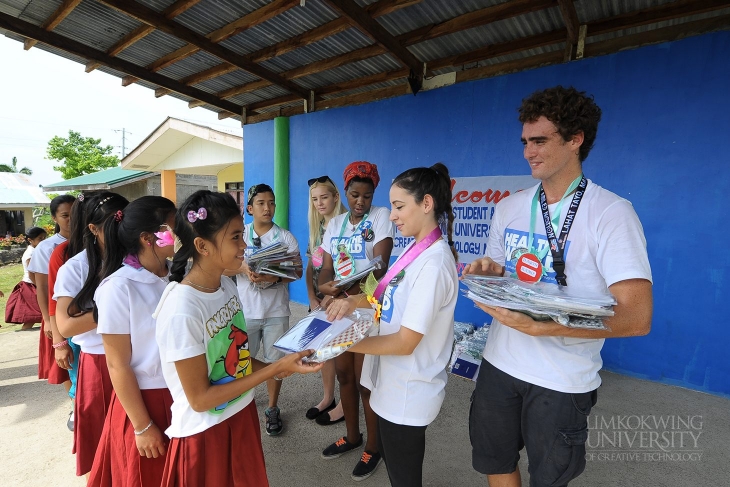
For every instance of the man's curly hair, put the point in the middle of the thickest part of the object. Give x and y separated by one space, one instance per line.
571 111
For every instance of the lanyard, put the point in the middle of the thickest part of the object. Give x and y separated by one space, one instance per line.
406 258
557 245
346 221
250 234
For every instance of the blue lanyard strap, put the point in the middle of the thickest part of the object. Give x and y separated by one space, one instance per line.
346 221
557 244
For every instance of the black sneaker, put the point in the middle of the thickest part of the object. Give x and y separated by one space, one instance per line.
366 466
340 447
274 425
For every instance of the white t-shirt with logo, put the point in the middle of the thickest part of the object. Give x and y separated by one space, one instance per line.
360 241
42 254
192 323
409 389
69 281
605 245
126 301
273 301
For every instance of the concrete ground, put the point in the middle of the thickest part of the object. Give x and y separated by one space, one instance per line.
642 433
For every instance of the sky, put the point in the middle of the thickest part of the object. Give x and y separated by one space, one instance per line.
43 95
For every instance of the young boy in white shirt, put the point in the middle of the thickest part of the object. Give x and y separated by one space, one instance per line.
265 298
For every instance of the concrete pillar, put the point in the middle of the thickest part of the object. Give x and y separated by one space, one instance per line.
168 186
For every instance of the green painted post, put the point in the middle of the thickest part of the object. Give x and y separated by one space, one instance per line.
281 171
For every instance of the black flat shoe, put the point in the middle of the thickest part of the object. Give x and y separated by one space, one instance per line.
324 419
314 412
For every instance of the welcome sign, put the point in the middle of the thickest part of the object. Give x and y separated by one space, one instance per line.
473 200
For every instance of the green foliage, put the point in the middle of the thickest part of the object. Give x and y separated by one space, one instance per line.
14 168
80 155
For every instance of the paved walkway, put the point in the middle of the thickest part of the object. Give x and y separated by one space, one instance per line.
643 433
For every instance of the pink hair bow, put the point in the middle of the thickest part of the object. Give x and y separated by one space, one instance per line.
201 214
165 238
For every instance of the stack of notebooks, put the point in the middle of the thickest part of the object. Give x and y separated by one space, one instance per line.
348 281
274 260
567 306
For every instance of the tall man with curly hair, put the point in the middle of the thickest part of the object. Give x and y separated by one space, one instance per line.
538 380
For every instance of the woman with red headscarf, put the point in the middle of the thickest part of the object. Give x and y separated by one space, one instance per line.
351 241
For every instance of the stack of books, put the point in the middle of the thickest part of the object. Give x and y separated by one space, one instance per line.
565 305
274 260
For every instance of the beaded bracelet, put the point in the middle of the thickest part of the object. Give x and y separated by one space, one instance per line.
143 430
60 344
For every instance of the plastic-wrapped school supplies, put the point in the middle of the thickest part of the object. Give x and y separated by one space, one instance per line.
565 305
273 260
374 264
469 344
328 339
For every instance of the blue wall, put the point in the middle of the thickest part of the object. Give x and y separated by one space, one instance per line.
662 143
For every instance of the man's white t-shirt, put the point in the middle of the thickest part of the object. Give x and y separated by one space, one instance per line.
273 301
605 245
409 389
69 281
26 260
126 301
42 253
192 323
360 240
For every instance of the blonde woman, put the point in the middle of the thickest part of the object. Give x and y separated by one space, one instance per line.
324 204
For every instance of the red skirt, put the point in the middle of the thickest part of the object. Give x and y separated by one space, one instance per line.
93 395
47 366
227 454
22 305
117 461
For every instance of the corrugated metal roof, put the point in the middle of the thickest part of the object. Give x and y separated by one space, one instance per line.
99 26
112 176
18 189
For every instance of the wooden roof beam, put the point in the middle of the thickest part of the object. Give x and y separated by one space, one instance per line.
196 78
469 20
341 24
248 21
380 34
572 25
152 18
27 29
52 22
660 13
140 32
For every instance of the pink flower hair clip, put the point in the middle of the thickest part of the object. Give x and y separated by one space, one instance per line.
166 238
201 214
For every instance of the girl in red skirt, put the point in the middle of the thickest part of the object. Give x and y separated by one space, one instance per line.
201 332
61 214
132 449
76 283
22 305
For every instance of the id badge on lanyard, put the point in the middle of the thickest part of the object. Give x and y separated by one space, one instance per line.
343 262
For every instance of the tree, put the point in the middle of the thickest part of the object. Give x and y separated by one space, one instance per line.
14 168
79 155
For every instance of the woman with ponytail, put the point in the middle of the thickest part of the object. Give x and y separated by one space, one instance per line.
64 369
61 214
74 289
203 342
418 296
137 244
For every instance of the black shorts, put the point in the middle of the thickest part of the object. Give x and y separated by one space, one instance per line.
508 414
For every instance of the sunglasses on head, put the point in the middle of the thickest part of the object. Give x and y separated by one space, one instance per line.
321 179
